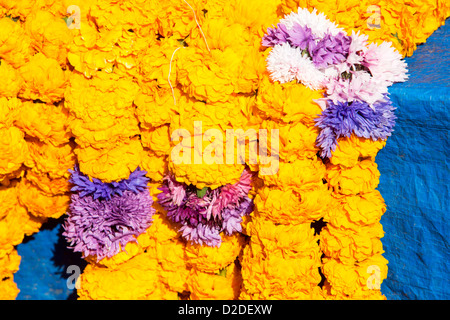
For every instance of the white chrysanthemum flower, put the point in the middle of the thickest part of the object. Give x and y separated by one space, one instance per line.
317 22
286 63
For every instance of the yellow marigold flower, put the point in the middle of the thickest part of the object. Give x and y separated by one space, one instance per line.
235 113
9 263
288 103
131 250
270 276
355 281
89 61
156 166
351 150
208 286
176 280
155 64
253 15
18 8
210 76
49 35
45 158
300 174
134 279
212 259
157 139
173 268
92 50
352 244
44 79
13 150
46 122
162 229
361 209
112 164
102 109
8 199
169 251
206 175
155 108
291 206
9 110
223 35
220 33
41 204
11 82
289 241
363 177
176 19
47 184
8 288
17 223
296 140
14 42
170 254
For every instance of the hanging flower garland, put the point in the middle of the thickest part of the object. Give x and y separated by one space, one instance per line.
309 48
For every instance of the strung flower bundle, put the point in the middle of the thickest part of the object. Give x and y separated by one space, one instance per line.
202 217
104 217
103 95
309 51
309 48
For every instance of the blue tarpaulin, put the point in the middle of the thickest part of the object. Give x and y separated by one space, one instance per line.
414 184
415 177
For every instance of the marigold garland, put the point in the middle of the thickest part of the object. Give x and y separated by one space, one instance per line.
104 95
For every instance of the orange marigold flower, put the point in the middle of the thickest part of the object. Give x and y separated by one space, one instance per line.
11 83
45 158
212 259
41 204
13 151
351 244
363 177
49 35
46 122
44 79
113 163
15 45
101 109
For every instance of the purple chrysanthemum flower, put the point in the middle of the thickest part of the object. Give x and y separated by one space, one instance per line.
329 50
341 119
202 219
136 182
102 227
300 36
275 35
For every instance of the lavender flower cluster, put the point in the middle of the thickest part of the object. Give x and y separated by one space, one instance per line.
104 217
201 219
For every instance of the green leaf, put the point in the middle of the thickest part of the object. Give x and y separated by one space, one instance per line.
201 192
222 272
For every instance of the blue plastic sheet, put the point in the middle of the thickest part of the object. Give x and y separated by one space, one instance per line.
415 177
43 271
414 183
